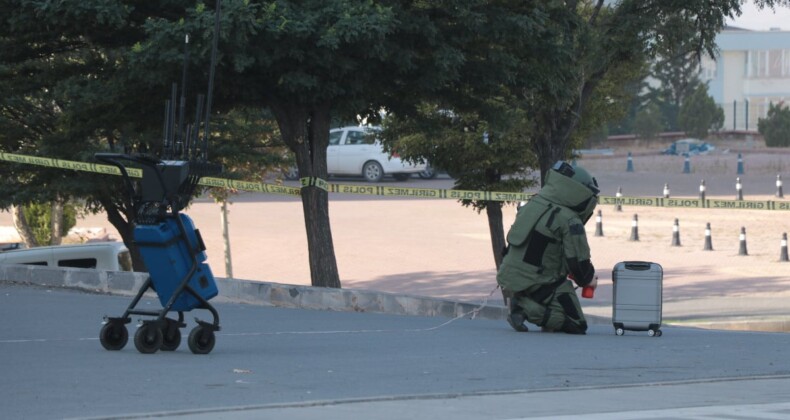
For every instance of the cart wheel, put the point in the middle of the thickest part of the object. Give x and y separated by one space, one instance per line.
201 340
619 331
113 336
651 333
659 333
171 336
148 339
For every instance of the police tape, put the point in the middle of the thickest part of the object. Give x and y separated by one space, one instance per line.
694 203
395 191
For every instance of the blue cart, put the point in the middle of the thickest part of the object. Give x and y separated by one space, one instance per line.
174 254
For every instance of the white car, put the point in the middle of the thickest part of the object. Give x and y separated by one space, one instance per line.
111 256
355 150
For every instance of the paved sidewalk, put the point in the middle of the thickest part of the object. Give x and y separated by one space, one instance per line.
747 398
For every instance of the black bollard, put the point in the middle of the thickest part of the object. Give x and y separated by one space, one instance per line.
634 229
779 192
618 195
666 190
708 241
676 233
742 250
598 224
702 191
738 189
783 249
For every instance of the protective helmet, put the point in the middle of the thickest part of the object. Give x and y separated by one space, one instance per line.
577 174
576 189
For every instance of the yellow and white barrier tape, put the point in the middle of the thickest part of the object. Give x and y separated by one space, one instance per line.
394 191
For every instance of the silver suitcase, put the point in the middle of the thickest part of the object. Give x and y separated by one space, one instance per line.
637 297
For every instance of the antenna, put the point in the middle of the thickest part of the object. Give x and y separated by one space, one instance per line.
196 139
183 103
165 135
211 81
173 137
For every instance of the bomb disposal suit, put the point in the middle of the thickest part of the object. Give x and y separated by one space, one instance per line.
547 244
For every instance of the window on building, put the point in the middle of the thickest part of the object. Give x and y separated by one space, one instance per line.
756 63
768 64
775 60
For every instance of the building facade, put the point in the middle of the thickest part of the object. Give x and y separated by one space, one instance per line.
751 71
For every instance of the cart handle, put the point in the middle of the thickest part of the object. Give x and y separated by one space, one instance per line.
143 159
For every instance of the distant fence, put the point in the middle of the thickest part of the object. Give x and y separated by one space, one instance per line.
743 115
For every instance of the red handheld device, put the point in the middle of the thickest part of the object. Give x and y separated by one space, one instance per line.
588 292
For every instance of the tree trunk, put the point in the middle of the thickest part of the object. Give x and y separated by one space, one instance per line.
553 141
306 132
226 239
56 222
125 228
553 144
497 232
20 223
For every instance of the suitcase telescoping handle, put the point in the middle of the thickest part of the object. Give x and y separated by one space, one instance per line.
637 265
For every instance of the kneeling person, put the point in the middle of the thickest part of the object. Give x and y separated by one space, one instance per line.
547 244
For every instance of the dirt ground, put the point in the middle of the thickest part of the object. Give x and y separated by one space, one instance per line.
439 248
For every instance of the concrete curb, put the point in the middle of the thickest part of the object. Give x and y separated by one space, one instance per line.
761 324
266 294
257 293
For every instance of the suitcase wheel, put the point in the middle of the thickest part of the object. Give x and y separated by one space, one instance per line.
619 331
654 333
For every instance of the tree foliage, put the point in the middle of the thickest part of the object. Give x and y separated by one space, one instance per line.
775 127
700 114
74 81
575 70
676 69
648 122
313 62
77 76
39 219
596 38
481 153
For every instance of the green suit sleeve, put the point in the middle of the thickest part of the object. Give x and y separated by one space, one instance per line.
576 251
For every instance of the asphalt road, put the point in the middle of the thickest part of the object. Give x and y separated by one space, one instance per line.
286 363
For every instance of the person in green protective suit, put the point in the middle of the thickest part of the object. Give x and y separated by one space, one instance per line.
547 245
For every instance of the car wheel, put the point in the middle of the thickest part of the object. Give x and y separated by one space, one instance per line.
372 171
428 173
401 177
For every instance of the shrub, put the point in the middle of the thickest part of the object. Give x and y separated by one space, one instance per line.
699 114
39 215
775 127
648 123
